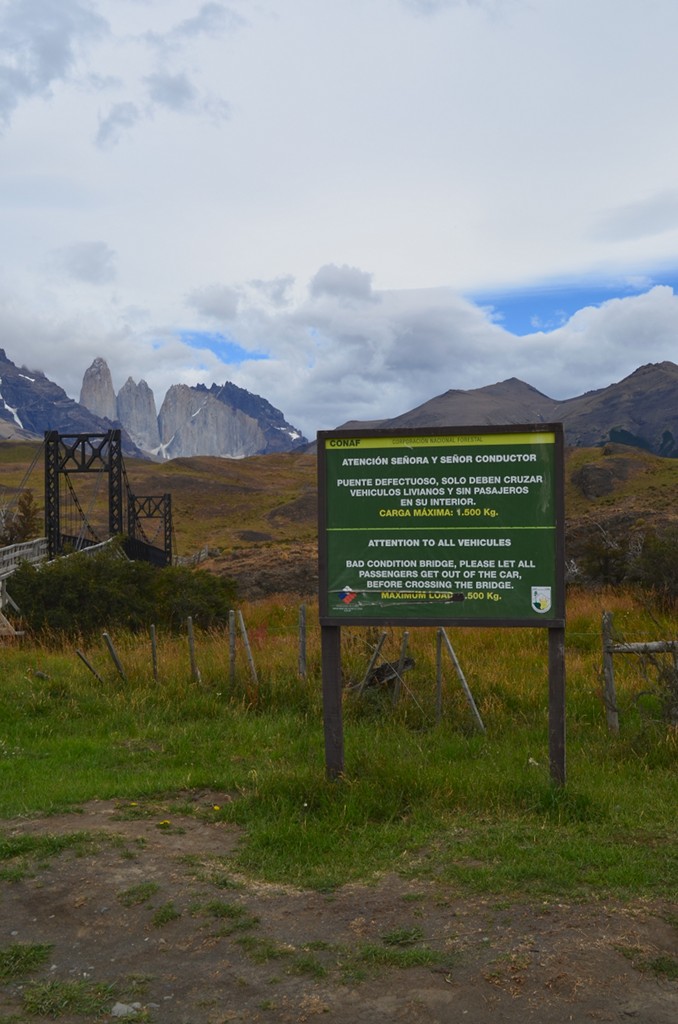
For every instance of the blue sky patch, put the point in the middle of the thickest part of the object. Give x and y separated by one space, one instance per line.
547 306
228 351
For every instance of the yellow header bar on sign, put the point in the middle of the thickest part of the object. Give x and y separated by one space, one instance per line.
438 441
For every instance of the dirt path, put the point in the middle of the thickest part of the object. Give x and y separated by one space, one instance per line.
154 910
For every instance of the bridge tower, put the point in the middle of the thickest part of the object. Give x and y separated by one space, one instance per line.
67 454
81 453
150 506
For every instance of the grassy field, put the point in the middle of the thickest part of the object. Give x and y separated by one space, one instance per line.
423 798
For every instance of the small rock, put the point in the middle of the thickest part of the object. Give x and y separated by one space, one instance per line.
125 1009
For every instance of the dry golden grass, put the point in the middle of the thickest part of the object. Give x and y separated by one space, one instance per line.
269 503
216 503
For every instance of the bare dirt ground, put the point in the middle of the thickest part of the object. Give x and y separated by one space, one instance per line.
152 908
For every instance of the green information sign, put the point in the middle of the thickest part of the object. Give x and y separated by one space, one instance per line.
437 527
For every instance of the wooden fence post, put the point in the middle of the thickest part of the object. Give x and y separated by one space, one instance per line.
248 649
610 648
231 647
195 671
86 662
114 656
609 692
154 653
302 641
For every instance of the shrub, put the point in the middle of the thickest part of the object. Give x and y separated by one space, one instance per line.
83 593
605 559
23 524
656 566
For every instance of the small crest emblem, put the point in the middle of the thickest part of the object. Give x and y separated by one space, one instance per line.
541 599
347 595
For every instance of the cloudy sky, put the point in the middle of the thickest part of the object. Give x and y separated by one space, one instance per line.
346 206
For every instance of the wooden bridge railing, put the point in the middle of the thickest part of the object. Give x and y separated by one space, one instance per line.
13 555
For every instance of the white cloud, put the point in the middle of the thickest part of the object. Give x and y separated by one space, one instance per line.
333 361
345 283
178 94
342 172
213 19
218 302
599 345
652 216
276 292
431 7
120 118
338 362
174 91
91 262
40 41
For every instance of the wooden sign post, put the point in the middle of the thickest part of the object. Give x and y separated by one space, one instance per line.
455 526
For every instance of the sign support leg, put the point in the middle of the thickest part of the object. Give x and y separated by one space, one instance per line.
330 642
557 705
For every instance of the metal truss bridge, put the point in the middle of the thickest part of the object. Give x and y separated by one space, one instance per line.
73 515
88 502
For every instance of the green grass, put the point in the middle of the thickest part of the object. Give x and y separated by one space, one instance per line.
234 916
378 956
138 894
428 800
662 966
18 853
165 914
261 950
402 936
58 998
20 958
309 965
321 960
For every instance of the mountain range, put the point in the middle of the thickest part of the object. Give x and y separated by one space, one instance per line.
640 411
223 420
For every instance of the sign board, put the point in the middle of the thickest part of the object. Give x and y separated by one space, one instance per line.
437 527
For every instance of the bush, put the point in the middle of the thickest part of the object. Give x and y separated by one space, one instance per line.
605 559
83 594
616 559
656 566
25 522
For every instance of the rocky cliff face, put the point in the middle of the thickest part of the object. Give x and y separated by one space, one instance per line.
193 422
96 393
135 408
223 420
279 435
